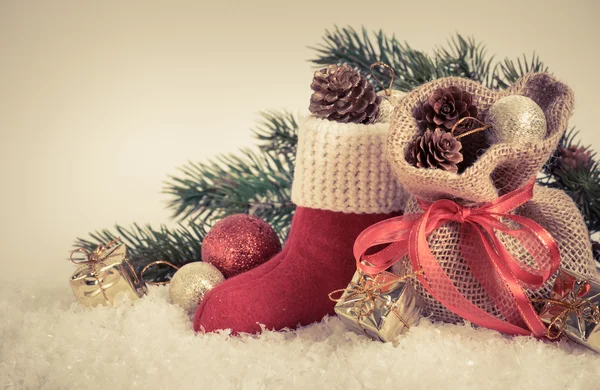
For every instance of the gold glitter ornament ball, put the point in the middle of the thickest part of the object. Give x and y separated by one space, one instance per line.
388 104
515 119
239 243
191 282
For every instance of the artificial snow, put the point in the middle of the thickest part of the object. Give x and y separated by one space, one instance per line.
51 342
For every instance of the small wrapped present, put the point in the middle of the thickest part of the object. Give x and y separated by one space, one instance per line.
573 310
104 274
381 306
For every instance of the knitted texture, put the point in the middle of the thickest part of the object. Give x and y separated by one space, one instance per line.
502 168
342 185
342 167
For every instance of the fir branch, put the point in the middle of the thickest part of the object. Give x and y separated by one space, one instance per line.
257 184
466 58
347 46
583 185
278 132
462 58
145 244
509 72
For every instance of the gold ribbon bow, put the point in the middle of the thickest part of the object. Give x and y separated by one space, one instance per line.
371 292
571 303
97 255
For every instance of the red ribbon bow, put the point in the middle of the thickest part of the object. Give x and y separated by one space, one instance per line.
500 274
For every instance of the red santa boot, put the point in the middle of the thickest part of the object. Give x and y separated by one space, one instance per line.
342 184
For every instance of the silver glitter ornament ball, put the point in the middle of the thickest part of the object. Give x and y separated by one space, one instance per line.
515 119
388 103
191 282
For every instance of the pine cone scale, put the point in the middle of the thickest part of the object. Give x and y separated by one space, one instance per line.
437 149
361 105
445 107
461 107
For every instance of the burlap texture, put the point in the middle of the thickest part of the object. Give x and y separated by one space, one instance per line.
500 169
503 167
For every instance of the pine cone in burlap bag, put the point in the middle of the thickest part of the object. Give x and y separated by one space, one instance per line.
437 149
343 95
444 107
502 168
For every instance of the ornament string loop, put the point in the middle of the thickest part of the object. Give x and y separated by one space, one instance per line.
388 90
483 126
572 303
501 275
155 263
370 292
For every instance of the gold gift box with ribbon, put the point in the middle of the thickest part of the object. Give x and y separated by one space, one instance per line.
381 306
573 310
104 274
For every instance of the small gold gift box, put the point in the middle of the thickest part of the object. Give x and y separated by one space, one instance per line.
381 307
104 274
573 310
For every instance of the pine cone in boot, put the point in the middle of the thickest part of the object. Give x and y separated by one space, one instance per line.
445 107
341 94
437 149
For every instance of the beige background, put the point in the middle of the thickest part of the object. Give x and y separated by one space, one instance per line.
101 100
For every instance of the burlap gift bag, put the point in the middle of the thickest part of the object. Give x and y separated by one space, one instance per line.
499 170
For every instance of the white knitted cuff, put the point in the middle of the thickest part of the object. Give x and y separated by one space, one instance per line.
342 167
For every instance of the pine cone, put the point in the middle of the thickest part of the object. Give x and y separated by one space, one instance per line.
437 149
573 157
445 107
343 95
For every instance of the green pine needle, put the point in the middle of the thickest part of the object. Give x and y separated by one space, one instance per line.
466 58
582 183
257 184
462 57
347 46
509 72
278 132
145 244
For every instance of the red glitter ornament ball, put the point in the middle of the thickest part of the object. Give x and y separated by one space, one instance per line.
239 243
